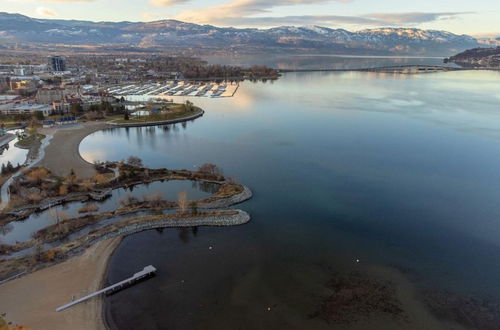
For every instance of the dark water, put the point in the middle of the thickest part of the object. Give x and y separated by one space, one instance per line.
315 62
393 170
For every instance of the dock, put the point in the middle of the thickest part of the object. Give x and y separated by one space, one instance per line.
146 272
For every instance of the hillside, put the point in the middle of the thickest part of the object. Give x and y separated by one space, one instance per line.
23 31
478 57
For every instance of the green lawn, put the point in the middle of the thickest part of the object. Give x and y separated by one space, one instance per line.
176 114
30 140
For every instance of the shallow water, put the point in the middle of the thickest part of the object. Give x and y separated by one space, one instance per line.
13 154
21 231
393 170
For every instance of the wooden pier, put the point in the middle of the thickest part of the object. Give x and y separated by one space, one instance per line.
146 272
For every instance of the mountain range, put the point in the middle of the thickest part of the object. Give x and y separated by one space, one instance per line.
176 35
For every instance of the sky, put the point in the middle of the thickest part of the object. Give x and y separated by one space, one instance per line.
477 18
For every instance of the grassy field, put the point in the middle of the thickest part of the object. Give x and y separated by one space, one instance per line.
175 112
27 142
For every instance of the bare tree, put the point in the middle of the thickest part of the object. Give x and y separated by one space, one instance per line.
154 199
128 200
182 202
134 161
210 169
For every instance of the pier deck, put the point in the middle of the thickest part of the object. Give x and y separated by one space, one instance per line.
147 271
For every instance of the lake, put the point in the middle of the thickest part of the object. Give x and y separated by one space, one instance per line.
323 61
394 171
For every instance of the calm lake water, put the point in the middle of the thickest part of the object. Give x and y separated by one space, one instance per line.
393 170
327 61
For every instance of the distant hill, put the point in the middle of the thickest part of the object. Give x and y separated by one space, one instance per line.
478 57
176 35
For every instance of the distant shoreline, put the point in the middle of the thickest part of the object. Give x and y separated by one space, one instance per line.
394 69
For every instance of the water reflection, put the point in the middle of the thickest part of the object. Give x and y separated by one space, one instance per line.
391 170
325 61
21 231
12 154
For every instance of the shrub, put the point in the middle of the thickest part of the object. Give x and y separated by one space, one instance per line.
37 175
88 208
100 178
34 197
154 199
63 190
134 161
209 168
128 200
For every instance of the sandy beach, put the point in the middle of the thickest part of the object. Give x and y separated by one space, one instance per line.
32 299
62 154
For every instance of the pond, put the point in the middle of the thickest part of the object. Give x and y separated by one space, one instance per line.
21 231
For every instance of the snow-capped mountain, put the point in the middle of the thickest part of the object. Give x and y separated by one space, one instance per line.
181 35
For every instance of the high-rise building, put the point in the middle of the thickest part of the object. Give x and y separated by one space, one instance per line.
57 63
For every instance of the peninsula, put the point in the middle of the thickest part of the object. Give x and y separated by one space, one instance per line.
60 251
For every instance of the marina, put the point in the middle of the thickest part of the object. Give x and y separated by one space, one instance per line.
176 88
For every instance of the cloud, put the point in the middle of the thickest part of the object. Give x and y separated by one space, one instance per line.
327 20
401 19
415 17
250 13
42 11
167 3
150 16
52 1
235 9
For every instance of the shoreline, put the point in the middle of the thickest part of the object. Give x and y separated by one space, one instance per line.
86 264
25 301
395 69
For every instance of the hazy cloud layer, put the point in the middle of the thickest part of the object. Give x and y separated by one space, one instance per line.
414 18
166 3
42 11
245 13
237 9
51 1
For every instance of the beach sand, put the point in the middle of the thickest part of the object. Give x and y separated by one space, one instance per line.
62 154
32 299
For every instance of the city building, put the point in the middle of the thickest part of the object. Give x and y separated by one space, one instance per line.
24 109
57 63
48 95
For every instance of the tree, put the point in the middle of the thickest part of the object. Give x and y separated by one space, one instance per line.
155 199
134 161
194 207
182 202
39 115
76 108
37 175
126 116
210 169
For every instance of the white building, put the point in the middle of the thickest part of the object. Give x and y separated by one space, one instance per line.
23 109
